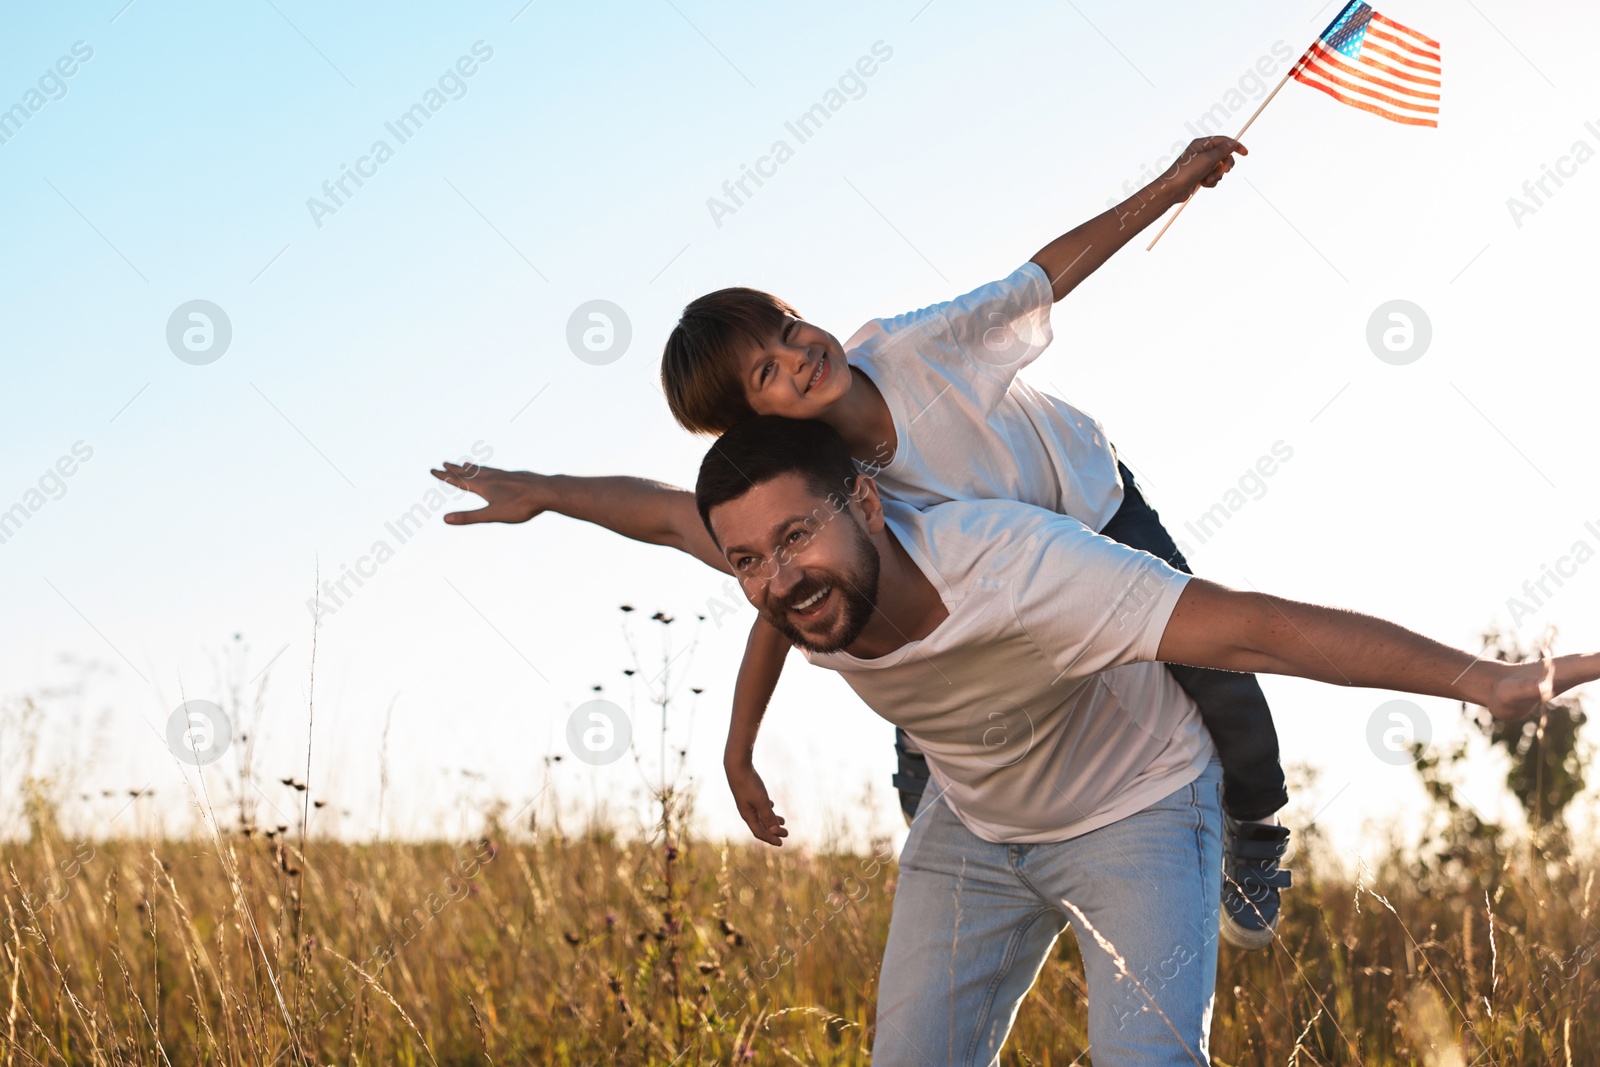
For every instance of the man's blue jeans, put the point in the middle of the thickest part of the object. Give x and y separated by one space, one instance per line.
975 921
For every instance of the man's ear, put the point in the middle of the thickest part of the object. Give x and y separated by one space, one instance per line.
864 498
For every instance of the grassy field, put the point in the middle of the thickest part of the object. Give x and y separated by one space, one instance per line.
674 950
1474 944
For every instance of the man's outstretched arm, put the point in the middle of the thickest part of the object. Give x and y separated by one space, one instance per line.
1214 626
652 512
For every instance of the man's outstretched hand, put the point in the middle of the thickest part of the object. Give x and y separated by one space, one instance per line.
512 496
637 508
1522 689
755 806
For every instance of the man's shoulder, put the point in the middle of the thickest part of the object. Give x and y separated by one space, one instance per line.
962 534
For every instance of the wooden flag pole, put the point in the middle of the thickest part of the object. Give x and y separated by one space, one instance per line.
1285 81
1281 83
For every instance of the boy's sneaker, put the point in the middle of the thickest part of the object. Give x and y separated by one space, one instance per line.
1251 880
911 777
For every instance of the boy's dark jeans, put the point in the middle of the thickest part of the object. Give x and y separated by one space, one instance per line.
1231 705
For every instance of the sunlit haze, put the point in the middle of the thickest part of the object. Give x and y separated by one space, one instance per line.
539 157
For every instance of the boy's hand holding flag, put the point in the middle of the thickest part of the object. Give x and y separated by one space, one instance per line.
1367 61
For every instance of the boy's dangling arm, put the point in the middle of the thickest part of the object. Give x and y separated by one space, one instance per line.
764 654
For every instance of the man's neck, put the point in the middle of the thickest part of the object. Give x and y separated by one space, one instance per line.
909 606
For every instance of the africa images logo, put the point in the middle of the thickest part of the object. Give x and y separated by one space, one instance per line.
199 732
199 332
599 732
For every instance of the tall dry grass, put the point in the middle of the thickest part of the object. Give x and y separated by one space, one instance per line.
263 946
672 949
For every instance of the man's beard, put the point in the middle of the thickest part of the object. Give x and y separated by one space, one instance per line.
857 588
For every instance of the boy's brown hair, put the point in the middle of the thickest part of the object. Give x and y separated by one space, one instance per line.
700 365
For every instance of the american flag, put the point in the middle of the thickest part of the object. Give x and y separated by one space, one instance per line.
1376 64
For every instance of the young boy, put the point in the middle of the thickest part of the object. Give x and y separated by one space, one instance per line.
930 405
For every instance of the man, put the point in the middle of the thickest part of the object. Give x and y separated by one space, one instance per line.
1061 795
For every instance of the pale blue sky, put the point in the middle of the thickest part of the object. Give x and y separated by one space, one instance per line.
426 313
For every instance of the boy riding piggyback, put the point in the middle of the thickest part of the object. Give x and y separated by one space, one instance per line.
930 405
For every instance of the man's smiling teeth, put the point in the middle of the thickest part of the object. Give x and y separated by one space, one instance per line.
811 600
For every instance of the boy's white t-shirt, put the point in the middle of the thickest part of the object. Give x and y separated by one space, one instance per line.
967 427
1036 701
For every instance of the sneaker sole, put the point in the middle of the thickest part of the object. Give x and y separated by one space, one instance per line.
1245 938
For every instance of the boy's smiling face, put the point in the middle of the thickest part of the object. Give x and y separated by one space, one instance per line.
799 373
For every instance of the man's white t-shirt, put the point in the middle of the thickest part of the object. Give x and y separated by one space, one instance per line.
1035 700
968 428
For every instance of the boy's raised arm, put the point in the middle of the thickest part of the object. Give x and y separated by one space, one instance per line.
1214 626
652 512
1079 252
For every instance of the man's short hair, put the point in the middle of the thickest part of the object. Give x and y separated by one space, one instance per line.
700 365
767 446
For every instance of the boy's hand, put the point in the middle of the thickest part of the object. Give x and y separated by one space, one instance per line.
513 496
1079 252
755 806
1204 162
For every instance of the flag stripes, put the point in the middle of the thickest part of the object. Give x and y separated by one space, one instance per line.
1374 63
